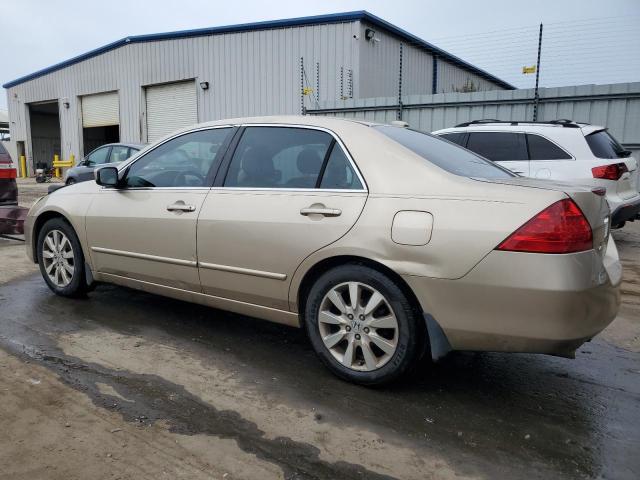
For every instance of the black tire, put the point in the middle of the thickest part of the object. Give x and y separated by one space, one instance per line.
77 287
411 339
71 181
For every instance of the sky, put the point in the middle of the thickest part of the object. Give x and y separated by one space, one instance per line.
584 41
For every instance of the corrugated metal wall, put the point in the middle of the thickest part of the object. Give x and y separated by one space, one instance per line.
616 106
452 78
380 69
249 73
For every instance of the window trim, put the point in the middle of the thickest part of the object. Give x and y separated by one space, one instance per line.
226 162
571 157
123 169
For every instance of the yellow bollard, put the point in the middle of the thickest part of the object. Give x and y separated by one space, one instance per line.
56 159
23 166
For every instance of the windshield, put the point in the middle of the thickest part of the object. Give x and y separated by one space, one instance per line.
603 145
445 154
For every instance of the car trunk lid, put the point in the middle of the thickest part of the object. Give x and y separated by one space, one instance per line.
591 201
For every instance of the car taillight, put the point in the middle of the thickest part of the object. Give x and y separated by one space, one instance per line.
610 172
8 173
560 228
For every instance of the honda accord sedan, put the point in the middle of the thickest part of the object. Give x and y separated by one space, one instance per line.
382 242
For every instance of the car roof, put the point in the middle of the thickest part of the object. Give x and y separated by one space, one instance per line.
585 128
309 120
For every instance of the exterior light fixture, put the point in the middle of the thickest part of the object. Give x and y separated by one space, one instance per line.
65 102
369 34
204 85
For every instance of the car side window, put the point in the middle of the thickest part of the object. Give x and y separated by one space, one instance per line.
455 137
542 149
184 161
119 153
498 146
278 157
98 157
338 174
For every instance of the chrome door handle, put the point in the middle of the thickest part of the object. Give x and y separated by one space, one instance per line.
325 212
181 207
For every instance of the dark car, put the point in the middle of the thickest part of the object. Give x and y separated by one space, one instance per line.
8 187
112 154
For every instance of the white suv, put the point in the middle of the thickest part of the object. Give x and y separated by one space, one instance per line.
558 150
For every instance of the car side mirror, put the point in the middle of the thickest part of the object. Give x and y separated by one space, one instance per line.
107 177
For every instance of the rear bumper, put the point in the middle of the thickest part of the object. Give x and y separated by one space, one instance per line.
626 212
520 302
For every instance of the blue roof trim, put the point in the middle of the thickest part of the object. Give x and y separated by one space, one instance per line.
269 24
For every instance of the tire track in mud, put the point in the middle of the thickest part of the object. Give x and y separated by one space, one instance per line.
151 399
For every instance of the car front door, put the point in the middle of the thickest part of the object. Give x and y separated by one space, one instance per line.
98 157
287 192
146 230
508 149
548 160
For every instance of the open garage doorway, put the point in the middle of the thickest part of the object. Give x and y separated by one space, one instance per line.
100 120
44 122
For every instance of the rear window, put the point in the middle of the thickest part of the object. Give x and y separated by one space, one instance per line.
446 155
603 145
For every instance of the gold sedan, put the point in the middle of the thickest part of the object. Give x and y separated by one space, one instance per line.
384 243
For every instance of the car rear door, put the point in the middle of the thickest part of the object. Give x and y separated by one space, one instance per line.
508 149
283 193
548 160
146 230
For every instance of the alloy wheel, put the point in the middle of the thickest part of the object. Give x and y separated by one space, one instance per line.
58 258
358 327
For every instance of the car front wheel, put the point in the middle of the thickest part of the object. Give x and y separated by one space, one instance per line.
362 325
61 259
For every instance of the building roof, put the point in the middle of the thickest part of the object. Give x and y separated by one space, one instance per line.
265 25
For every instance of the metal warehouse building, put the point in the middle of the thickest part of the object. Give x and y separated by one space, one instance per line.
142 87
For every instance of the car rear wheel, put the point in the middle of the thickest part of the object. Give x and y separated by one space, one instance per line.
61 259
71 181
362 326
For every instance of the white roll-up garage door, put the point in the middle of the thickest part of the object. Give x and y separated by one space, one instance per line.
170 107
100 110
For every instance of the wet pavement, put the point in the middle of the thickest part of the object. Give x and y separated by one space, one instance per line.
197 371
